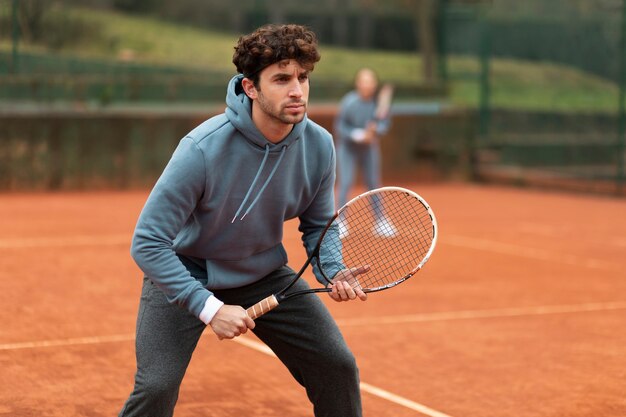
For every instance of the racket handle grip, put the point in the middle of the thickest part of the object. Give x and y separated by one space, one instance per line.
262 307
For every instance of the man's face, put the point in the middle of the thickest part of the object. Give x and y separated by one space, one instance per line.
283 91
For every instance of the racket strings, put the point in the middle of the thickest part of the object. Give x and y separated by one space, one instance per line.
390 232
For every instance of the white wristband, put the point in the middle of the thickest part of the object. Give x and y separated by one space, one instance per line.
357 135
210 308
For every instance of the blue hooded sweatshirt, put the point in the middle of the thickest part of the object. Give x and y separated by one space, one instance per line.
222 199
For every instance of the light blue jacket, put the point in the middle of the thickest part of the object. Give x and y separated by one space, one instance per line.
223 198
356 113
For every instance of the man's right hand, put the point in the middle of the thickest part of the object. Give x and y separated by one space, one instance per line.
231 321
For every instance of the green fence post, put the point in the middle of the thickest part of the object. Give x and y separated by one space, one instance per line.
621 149
442 62
16 37
485 90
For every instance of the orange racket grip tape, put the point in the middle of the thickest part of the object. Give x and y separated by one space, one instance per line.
262 307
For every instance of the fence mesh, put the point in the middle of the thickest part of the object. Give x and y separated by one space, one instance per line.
550 92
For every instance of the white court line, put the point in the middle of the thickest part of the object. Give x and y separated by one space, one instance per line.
565 232
527 252
259 347
481 314
370 389
427 317
412 405
400 319
50 242
454 240
95 340
379 392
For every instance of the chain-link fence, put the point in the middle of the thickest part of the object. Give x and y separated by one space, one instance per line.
550 97
546 87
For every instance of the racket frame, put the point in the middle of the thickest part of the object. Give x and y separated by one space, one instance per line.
383 102
272 301
430 249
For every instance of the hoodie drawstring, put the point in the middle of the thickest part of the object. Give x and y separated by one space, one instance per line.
256 177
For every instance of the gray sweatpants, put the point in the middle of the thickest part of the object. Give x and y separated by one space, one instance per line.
300 331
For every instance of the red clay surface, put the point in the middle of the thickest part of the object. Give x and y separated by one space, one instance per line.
521 311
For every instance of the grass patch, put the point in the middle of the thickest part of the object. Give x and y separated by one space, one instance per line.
523 85
514 84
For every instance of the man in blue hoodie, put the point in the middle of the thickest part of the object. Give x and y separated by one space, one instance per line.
209 238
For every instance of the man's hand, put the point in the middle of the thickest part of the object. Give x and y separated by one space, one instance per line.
345 286
231 321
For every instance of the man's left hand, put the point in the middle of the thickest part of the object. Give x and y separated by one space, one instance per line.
345 285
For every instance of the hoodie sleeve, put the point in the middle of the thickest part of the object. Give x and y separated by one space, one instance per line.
314 220
164 215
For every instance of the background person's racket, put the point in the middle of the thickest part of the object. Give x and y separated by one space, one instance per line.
389 232
383 102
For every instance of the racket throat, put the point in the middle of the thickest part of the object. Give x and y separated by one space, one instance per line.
303 292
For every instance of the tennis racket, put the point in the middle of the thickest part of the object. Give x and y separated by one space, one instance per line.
378 240
383 102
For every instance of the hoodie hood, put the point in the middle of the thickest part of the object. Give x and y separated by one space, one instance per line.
239 113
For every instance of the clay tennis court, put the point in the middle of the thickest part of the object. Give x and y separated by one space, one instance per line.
521 311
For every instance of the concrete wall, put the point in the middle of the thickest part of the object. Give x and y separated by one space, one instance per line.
79 148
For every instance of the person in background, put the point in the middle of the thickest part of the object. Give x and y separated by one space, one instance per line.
358 130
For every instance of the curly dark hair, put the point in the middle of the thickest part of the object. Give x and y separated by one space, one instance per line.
273 43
